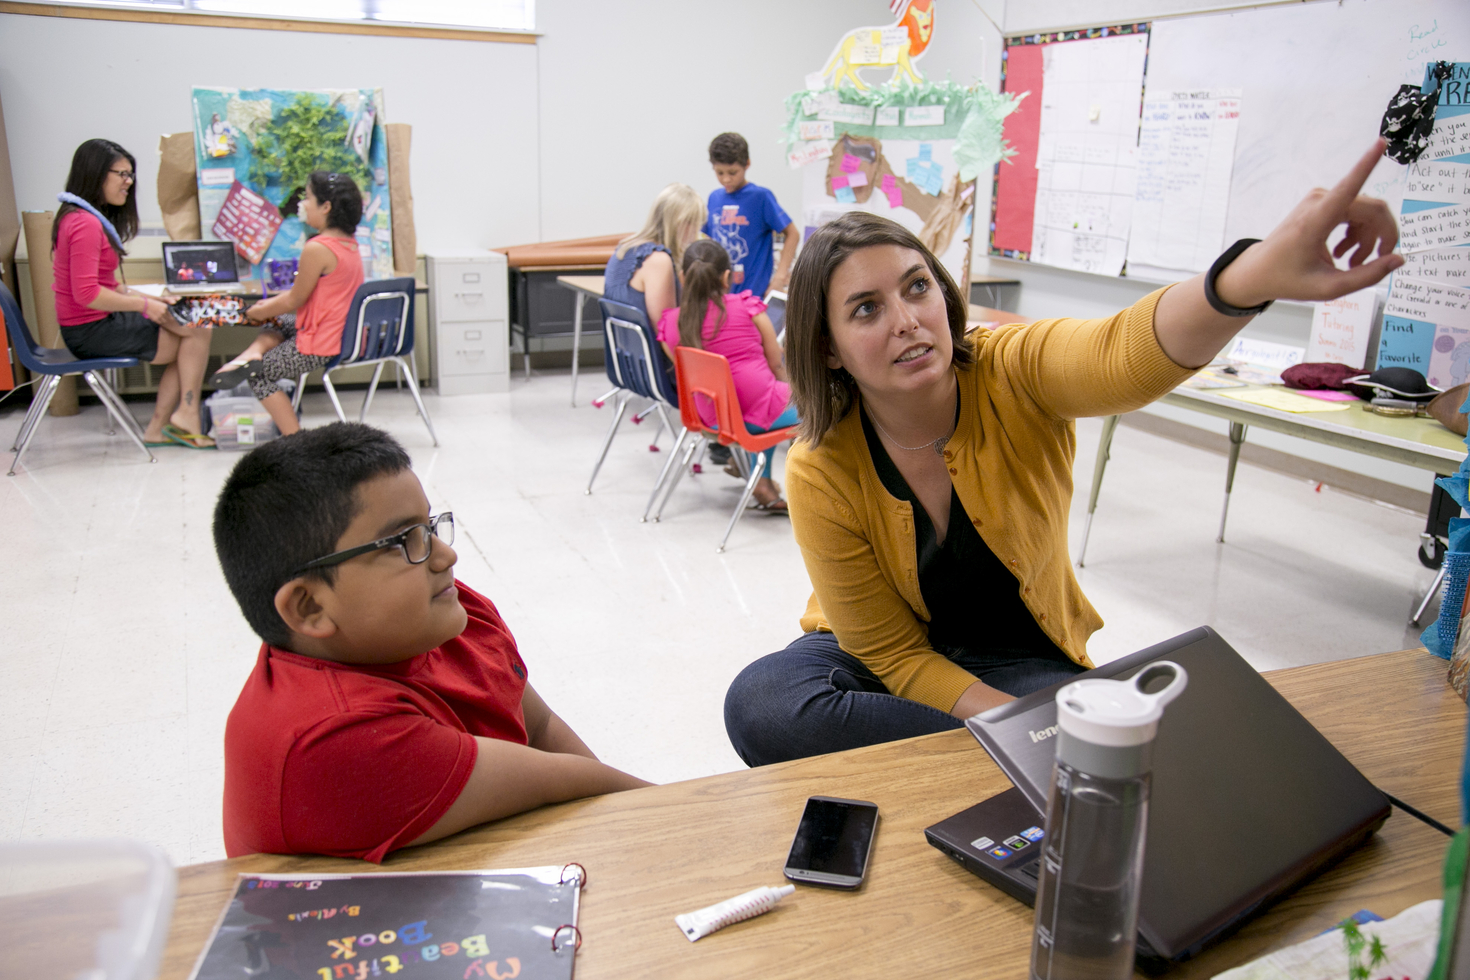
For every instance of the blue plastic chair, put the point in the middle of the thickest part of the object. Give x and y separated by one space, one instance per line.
52 364
379 330
637 368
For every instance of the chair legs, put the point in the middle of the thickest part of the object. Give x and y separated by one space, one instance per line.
664 473
367 401
296 395
332 393
413 389
113 405
750 482
697 443
118 410
612 431
39 404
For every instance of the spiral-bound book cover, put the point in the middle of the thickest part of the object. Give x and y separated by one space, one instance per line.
517 924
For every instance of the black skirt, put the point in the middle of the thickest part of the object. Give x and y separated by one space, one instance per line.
126 333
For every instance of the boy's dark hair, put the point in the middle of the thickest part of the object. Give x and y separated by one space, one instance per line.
90 165
341 192
288 503
728 148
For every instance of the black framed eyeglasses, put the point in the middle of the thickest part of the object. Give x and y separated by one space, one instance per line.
416 542
126 175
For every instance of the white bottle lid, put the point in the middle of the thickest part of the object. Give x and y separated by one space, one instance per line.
1119 714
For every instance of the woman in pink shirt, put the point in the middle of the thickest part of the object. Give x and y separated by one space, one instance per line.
100 317
735 326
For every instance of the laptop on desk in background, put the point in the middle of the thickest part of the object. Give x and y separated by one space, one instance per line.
196 268
1249 801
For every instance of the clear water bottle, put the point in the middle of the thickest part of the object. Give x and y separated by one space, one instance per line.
1096 820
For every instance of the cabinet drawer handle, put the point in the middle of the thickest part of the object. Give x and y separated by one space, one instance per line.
471 277
472 335
476 295
470 354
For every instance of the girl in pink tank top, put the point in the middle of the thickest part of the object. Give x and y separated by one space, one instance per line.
327 278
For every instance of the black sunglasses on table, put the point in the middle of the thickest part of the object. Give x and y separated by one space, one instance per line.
416 542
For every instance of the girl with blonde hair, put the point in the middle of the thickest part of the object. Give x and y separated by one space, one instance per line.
641 272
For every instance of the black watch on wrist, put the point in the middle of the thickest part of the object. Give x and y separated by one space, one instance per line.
1229 256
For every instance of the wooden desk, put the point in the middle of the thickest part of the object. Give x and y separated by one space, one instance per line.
583 287
1418 442
653 853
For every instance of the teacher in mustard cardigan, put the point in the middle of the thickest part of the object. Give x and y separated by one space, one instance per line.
930 485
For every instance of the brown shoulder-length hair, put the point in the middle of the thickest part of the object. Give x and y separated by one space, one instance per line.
823 395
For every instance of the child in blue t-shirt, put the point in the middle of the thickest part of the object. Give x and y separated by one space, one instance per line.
743 216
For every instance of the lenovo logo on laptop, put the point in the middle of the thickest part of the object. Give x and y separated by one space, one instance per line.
1044 734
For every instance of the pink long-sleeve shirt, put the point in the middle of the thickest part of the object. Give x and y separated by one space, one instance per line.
84 263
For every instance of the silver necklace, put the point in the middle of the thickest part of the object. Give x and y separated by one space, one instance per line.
937 445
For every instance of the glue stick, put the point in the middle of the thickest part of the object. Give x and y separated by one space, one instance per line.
696 925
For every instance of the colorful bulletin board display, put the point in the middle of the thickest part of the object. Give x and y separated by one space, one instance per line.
1066 197
491 925
254 149
871 134
1426 321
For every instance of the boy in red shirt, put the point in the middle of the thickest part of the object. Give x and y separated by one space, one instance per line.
389 705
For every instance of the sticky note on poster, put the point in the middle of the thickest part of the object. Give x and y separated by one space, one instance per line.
850 164
1449 138
857 179
845 195
865 53
856 115
892 191
839 181
1438 180
924 115
248 220
924 173
1405 342
886 116
819 129
893 35
1446 265
1428 300
1435 228
802 154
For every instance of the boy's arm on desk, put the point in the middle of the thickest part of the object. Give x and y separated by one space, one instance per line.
510 778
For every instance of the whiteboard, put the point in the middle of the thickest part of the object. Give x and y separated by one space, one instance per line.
1315 78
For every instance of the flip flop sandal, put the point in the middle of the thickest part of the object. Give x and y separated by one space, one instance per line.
777 506
189 440
228 377
155 445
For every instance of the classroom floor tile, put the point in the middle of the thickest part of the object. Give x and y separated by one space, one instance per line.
125 651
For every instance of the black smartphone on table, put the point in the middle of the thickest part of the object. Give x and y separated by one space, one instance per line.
833 842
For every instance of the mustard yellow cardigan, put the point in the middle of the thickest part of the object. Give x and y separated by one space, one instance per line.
1010 460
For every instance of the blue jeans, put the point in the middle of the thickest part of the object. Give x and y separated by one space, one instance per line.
812 698
786 418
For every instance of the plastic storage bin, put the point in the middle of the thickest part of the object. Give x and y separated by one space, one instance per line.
238 420
83 910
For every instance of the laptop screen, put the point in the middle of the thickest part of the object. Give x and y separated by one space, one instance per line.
776 310
201 263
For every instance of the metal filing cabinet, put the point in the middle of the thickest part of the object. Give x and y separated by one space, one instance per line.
470 313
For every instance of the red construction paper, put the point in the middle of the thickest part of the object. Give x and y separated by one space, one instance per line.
1015 185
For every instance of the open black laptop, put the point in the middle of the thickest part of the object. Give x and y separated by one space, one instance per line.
201 267
1249 800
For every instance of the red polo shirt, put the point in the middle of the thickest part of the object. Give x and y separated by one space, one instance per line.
356 761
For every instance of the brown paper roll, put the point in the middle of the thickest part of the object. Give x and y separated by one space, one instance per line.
43 301
178 190
400 199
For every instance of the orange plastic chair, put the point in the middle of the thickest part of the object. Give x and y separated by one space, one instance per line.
699 372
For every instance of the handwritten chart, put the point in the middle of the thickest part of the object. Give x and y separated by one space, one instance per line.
1186 148
1086 159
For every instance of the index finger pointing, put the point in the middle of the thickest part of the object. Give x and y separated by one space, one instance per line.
1347 188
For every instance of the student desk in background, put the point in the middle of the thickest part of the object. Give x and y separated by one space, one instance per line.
1418 442
653 853
584 287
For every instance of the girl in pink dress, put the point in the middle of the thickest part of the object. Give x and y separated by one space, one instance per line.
735 326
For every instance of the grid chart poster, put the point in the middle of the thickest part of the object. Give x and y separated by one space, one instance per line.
1426 321
479 925
266 142
1066 198
1186 151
